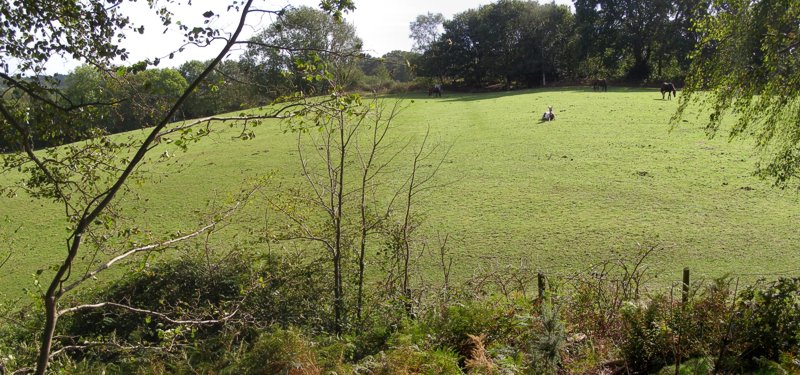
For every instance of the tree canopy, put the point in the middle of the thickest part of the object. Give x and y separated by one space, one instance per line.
425 30
303 32
510 40
530 43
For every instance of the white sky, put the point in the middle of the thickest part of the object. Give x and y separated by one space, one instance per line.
381 24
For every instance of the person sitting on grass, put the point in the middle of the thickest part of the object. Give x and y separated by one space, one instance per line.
549 115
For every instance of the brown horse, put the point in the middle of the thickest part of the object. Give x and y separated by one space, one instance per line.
435 90
669 89
599 85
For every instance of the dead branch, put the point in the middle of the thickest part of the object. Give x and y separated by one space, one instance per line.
148 312
87 345
151 247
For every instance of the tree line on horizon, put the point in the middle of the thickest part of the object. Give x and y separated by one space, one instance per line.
527 44
506 44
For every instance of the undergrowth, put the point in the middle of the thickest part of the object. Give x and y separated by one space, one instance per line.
267 315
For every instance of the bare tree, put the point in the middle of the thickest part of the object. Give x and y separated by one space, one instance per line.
326 155
344 149
368 155
402 234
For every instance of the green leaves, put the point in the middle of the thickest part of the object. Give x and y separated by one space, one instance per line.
34 31
745 65
288 54
337 7
508 41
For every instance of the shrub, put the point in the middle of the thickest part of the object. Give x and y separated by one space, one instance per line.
549 344
283 311
664 331
372 341
696 366
187 288
454 327
282 351
263 291
290 293
411 360
768 321
16 331
646 345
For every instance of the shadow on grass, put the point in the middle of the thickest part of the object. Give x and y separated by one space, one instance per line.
460 96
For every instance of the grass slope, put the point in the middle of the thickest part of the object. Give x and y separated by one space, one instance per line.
559 196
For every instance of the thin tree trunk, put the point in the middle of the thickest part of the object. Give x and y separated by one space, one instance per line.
378 135
337 257
363 244
363 234
51 298
406 230
337 293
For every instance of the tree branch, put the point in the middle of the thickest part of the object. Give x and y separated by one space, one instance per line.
87 345
27 146
147 312
150 247
291 49
274 115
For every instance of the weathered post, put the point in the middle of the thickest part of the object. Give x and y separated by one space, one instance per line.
540 279
685 300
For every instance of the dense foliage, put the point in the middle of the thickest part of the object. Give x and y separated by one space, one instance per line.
641 40
306 34
279 323
530 44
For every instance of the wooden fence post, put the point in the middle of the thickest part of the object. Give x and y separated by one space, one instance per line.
540 279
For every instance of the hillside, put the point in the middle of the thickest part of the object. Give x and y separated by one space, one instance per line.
607 175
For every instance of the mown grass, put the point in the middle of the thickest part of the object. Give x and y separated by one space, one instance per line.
607 175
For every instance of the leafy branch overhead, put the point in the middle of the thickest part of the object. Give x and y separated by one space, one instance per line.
745 66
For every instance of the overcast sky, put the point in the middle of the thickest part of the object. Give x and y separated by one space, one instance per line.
381 24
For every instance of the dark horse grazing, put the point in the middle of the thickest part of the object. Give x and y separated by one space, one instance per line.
599 85
669 89
435 90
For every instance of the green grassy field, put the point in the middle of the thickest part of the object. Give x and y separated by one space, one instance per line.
606 175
